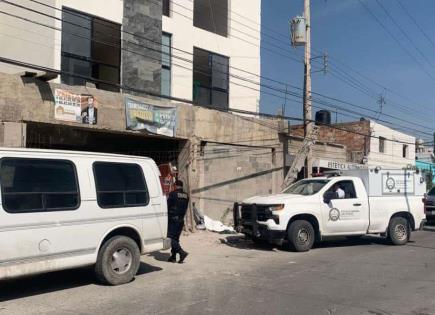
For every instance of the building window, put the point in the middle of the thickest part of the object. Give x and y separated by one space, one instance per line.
120 185
38 185
91 47
210 79
381 145
211 15
166 64
166 7
405 151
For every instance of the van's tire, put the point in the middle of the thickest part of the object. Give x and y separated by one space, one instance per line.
398 231
118 261
301 235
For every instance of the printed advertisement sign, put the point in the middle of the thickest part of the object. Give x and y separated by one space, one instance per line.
155 119
79 108
397 183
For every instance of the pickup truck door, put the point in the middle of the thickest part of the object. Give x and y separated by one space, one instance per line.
349 215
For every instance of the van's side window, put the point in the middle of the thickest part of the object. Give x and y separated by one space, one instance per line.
37 185
120 185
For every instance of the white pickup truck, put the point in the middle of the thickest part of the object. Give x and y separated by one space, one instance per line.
372 201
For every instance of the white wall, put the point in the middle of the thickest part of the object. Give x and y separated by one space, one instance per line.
25 41
36 44
242 54
392 158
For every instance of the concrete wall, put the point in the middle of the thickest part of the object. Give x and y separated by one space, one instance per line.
392 157
321 150
353 135
243 54
230 174
241 156
141 57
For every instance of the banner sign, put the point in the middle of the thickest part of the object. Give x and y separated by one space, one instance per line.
155 119
79 108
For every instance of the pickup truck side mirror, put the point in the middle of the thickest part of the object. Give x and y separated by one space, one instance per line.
328 196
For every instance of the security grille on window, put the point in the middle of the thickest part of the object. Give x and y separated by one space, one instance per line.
120 185
91 47
166 64
211 15
210 79
37 185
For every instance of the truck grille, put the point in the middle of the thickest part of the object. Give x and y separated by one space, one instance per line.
263 213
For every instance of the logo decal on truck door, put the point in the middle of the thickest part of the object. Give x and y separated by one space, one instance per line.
334 214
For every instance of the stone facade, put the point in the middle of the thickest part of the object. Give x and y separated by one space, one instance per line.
141 42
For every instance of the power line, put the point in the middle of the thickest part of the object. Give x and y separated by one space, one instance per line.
294 59
404 33
190 61
395 39
429 39
141 91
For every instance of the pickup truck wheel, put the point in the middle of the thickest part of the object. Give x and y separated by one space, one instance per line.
118 261
398 231
301 235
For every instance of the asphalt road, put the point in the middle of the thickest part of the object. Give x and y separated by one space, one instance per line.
229 275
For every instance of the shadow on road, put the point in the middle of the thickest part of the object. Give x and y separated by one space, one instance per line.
242 242
160 256
55 281
344 242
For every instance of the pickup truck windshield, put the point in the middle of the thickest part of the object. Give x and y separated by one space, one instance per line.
431 192
306 187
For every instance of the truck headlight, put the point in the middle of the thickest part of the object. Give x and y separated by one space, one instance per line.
276 207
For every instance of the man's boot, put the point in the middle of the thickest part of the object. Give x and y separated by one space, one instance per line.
173 258
183 256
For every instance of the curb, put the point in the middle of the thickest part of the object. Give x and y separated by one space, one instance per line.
429 228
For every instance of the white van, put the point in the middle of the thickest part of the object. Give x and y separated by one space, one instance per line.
65 209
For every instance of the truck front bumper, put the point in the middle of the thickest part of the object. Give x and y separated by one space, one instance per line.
263 233
258 229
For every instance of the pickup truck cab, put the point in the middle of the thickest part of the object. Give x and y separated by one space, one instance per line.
372 201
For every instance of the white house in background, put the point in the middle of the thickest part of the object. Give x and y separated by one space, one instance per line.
383 152
213 37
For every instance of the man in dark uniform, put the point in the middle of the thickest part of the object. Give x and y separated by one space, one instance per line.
178 202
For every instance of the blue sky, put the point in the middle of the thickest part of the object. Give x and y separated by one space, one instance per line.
353 38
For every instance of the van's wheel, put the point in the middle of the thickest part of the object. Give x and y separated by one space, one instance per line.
118 261
398 231
301 235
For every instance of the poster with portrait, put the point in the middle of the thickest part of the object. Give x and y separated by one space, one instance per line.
79 108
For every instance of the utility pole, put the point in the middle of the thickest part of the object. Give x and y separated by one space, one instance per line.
308 124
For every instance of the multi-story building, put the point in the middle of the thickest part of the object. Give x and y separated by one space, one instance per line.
191 50
204 52
213 41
